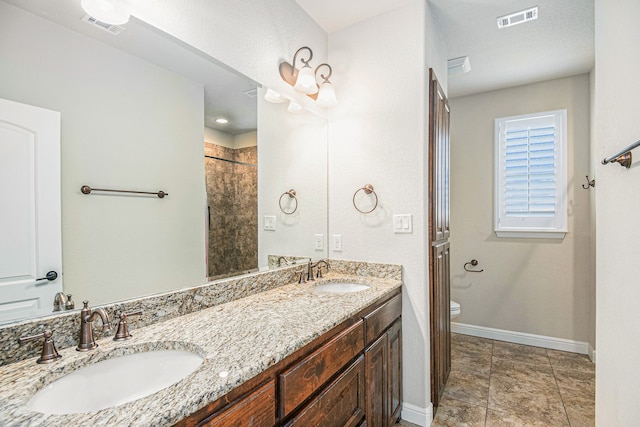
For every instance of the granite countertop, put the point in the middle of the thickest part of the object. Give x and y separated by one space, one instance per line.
237 340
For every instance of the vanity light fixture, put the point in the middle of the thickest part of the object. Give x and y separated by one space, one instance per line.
114 12
274 97
326 94
294 107
304 80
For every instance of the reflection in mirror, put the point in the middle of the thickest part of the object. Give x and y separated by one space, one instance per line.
231 177
132 118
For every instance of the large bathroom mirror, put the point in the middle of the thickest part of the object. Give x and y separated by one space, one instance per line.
132 118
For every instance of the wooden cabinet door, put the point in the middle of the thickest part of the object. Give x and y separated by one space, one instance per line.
439 292
394 372
438 162
383 365
376 361
440 322
341 404
257 409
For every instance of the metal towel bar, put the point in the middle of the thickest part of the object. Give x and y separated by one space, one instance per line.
87 190
623 156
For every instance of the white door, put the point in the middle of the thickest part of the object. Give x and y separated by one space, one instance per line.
30 223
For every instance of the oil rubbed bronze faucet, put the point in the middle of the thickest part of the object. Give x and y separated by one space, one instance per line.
317 265
87 316
123 327
62 302
49 352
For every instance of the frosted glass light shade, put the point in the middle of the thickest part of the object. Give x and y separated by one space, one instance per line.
306 81
326 95
108 11
294 107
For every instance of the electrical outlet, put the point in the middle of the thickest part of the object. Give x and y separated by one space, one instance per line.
319 242
336 243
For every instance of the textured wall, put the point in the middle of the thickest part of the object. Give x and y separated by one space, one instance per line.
377 135
292 155
232 200
536 286
617 209
250 36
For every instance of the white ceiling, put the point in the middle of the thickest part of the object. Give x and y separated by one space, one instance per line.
334 15
559 43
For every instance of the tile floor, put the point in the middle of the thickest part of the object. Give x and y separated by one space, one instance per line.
495 383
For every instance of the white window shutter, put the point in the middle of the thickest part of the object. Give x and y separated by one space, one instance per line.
531 175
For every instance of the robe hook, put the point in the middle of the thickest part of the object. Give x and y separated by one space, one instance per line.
590 183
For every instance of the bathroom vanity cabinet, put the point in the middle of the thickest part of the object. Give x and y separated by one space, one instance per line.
349 376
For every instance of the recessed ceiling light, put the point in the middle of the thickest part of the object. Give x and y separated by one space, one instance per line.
518 17
222 121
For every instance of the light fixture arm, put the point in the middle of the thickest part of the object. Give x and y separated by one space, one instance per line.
324 78
305 80
305 62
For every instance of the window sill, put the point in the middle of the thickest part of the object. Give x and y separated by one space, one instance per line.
528 234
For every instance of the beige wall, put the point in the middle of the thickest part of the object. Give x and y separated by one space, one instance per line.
535 286
617 116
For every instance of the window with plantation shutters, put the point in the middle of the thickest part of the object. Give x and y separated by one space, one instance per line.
531 176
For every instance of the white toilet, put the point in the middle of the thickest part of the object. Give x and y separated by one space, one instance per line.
455 309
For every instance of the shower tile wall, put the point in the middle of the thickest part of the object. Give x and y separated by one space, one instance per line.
232 197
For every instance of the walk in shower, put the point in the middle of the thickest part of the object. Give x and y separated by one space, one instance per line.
231 177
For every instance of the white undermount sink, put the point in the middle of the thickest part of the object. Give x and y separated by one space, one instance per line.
342 287
114 381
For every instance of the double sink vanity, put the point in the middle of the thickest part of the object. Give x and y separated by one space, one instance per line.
325 352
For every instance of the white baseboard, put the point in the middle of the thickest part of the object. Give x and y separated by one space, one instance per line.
592 354
417 415
522 338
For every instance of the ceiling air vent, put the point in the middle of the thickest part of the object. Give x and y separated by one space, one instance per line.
251 93
110 28
518 17
458 65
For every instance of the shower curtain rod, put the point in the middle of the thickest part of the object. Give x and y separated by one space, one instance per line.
231 161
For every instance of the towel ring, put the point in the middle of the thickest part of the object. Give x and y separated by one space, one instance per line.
368 189
473 262
292 195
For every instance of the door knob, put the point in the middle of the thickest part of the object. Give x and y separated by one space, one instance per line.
51 276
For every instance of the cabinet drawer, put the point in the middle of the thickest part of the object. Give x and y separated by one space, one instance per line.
305 377
340 404
257 409
381 318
